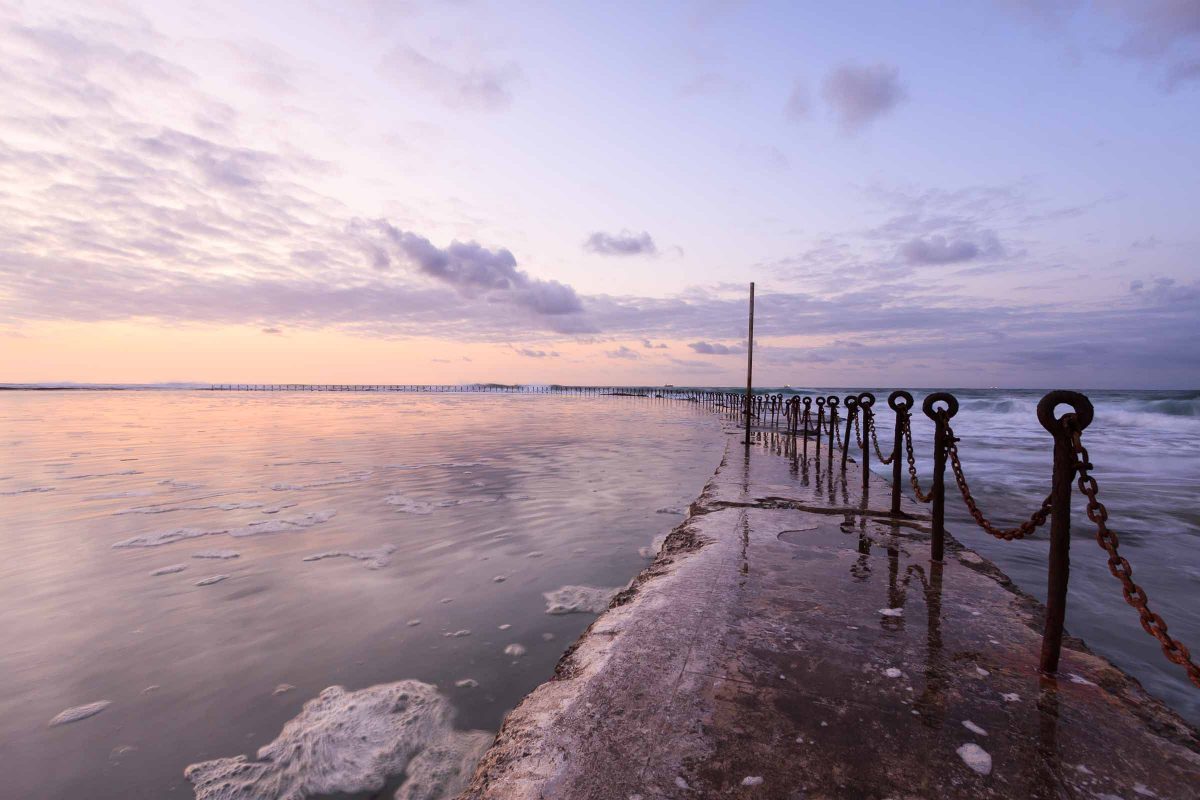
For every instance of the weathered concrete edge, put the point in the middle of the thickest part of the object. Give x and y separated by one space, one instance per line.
520 758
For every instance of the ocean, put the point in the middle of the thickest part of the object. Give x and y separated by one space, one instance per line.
183 570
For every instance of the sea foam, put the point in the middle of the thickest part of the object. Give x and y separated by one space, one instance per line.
80 712
350 742
253 529
579 599
376 558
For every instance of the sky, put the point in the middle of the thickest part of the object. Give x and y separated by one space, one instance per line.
926 194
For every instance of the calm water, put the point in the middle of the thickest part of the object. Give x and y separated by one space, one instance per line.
461 511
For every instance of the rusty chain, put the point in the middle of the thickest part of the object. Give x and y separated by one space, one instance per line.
912 461
875 440
1175 651
1036 520
857 432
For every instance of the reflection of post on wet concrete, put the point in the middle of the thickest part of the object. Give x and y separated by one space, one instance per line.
1048 768
860 570
932 701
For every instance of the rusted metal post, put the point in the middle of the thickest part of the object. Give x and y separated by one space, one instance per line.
750 365
820 426
1061 485
851 411
941 441
865 401
832 402
902 410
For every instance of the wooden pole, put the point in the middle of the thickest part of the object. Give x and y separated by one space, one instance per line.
750 365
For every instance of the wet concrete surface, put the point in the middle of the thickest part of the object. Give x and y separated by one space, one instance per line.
792 641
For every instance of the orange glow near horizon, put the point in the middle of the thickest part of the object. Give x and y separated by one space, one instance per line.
143 353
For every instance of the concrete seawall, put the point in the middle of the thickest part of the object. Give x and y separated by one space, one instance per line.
792 641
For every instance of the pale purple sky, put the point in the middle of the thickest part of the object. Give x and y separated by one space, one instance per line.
926 194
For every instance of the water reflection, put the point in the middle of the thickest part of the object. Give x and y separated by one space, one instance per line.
364 539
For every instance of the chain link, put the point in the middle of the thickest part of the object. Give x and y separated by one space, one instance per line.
875 440
857 432
1008 534
1175 651
912 461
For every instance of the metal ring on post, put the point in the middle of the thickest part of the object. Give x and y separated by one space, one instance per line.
851 402
866 400
897 395
1082 406
832 400
820 402
940 397
807 401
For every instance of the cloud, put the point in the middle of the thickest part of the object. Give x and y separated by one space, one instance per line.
625 243
649 345
622 352
716 348
1180 73
467 266
531 353
798 104
272 331
481 88
859 95
938 249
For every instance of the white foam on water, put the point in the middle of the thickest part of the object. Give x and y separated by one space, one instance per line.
515 650
277 508
283 688
467 683
655 546
457 634
579 599
377 558
27 490
340 480
976 758
119 495
352 742
221 554
892 612
407 505
253 529
80 712
211 580
166 509
174 484
101 475
168 570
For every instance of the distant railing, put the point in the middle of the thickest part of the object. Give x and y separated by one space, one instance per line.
1071 467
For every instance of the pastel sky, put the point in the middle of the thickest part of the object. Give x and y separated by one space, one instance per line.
926 193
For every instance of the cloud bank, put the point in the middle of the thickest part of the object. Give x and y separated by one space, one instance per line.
624 243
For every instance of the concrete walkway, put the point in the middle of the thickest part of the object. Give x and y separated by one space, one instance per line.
789 642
